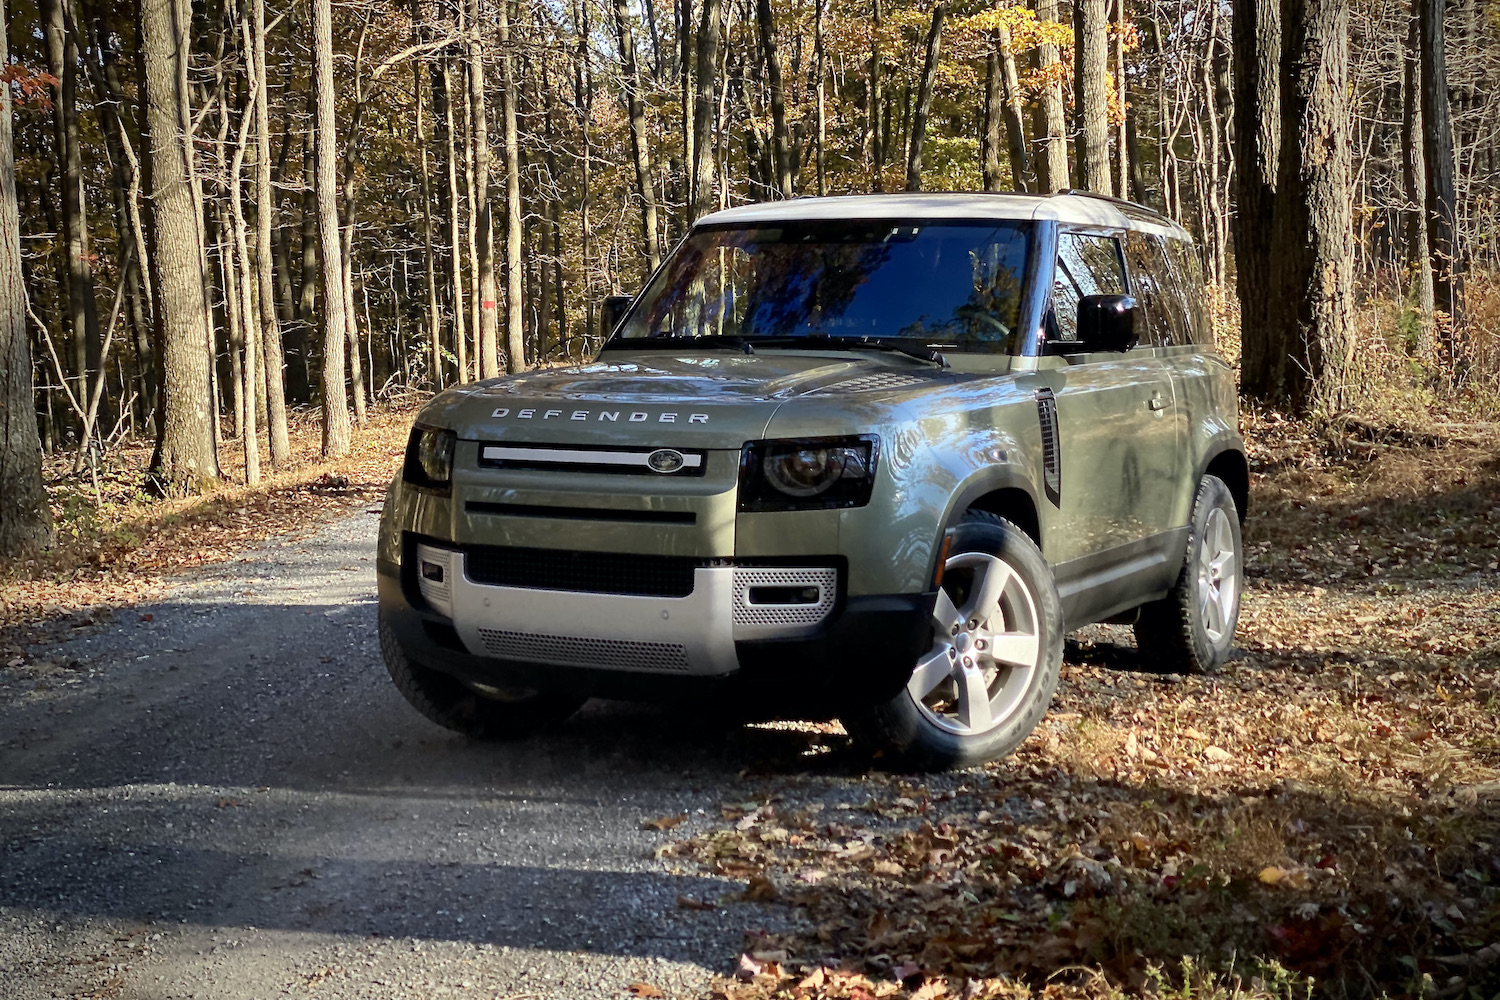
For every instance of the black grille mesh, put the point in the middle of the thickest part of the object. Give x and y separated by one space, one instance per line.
581 572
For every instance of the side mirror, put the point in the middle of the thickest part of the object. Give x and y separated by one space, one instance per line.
611 311
1106 322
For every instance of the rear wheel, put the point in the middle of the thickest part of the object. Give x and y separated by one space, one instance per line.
478 711
988 678
1191 630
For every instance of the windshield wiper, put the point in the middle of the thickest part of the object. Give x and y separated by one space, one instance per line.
855 344
708 340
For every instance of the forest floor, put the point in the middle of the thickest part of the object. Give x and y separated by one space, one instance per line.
117 544
1321 816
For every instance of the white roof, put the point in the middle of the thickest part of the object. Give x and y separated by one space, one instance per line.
1070 208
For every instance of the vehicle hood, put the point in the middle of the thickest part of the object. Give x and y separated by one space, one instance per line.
713 399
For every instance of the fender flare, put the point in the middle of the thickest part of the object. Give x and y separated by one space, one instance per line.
983 482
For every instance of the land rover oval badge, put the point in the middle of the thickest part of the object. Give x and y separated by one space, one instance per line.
666 461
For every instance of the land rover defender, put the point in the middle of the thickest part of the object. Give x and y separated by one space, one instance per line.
869 457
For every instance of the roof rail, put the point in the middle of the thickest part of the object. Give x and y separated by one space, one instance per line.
1079 192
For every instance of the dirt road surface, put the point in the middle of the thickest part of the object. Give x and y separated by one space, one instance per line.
223 795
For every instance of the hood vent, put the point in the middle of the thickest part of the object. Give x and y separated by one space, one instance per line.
876 380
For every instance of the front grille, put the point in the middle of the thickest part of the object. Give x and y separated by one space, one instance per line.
581 572
577 651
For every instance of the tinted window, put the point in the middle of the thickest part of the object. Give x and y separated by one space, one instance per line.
1086 265
1187 272
1160 319
949 284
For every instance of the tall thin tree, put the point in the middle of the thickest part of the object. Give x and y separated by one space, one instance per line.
924 97
184 455
484 226
326 187
25 517
1091 93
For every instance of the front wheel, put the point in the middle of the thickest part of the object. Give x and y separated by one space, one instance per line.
1191 630
997 643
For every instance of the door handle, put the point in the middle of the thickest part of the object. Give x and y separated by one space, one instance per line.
1157 403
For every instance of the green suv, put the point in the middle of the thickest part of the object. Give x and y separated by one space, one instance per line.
867 457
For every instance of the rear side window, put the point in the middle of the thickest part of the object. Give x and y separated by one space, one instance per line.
1086 265
1188 273
1163 319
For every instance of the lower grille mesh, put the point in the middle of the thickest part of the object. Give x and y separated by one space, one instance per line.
581 572
575 651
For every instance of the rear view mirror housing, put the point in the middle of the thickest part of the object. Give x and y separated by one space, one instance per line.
611 311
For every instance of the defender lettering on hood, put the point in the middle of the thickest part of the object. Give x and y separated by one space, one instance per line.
611 416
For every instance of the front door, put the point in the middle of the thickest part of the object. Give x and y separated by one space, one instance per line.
1118 449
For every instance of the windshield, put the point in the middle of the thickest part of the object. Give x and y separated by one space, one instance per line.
948 285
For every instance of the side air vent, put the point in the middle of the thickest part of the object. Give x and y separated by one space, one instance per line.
1046 412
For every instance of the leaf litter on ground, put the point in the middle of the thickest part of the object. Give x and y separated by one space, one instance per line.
1322 815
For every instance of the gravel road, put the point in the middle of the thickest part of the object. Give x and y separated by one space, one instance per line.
223 795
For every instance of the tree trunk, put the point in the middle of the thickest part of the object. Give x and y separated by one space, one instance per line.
1256 36
335 396
78 275
307 294
876 99
1437 150
704 110
924 98
1312 270
1050 123
25 518
515 331
1015 130
685 86
1414 182
455 248
993 115
429 257
249 438
265 211
640 140
820 61
484 228
184 455
1091 93
1122 146
781 151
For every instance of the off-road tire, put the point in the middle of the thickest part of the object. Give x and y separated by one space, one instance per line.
1171 634
903 736
454 705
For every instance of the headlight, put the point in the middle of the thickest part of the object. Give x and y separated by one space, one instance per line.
812 473
429 457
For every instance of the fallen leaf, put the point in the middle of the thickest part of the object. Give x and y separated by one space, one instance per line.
747 969
760 890
644 990
665 822
689 903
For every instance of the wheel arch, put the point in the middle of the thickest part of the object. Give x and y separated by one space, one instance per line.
1228 463
1014 504
1006 493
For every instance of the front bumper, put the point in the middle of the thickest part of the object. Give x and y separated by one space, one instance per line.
845 650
